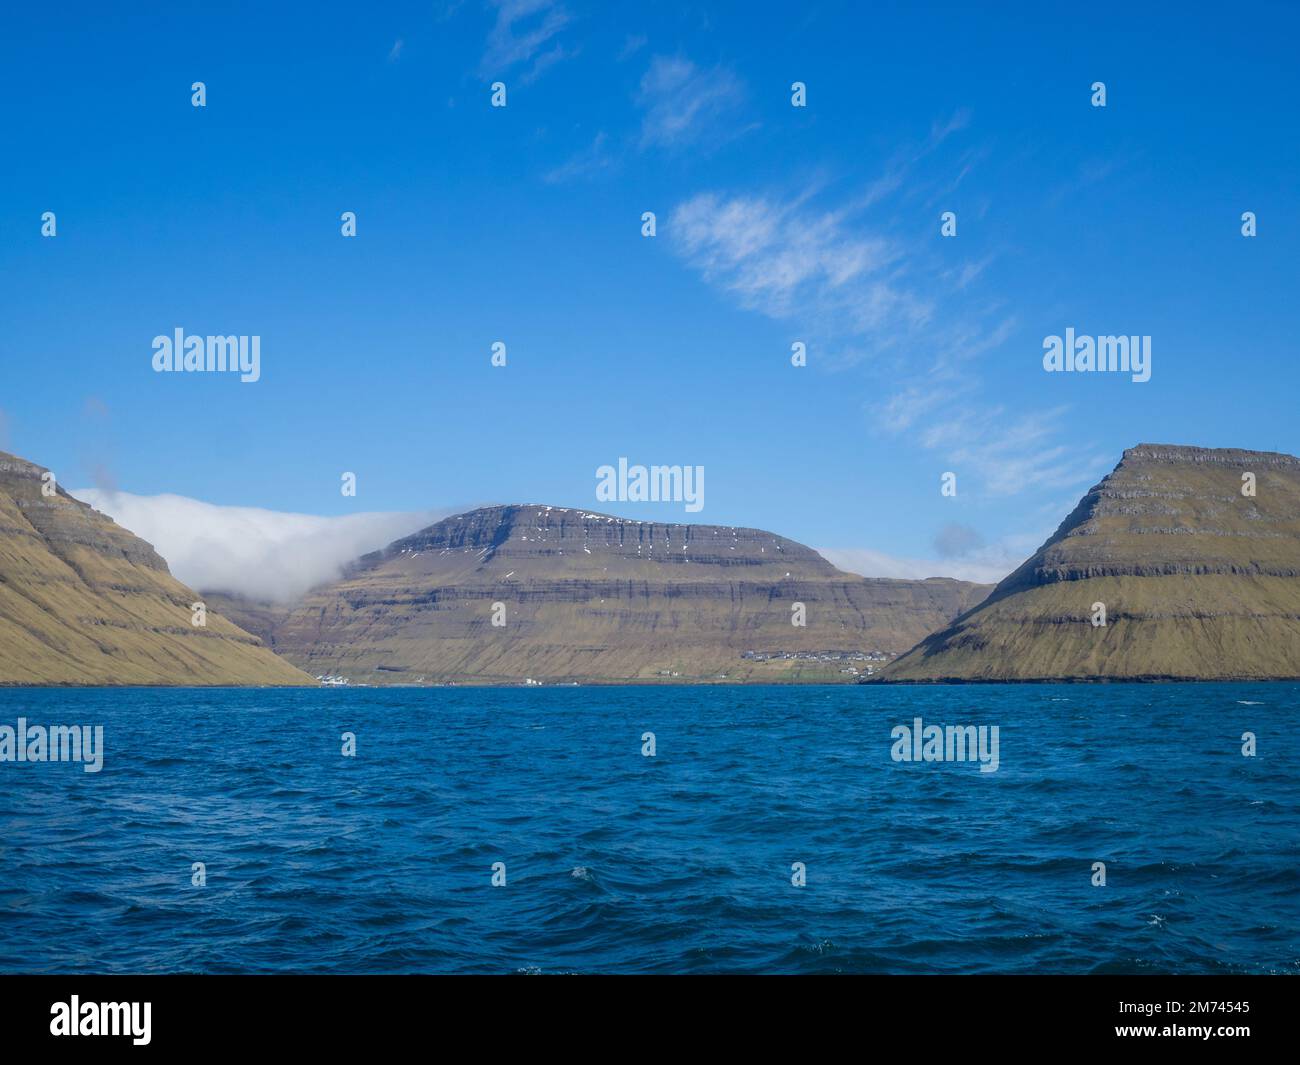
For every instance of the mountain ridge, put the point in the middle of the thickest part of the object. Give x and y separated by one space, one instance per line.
592 597
85 602
1199 581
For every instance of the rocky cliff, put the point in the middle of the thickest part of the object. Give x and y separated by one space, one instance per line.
82 601
580 596
1192 553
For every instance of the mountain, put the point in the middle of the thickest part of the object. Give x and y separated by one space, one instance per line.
590 597
1200 581
83 601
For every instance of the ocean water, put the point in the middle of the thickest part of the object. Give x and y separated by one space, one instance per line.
677 863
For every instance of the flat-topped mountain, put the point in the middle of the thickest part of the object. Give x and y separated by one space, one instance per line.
1194 553
83 601
508 593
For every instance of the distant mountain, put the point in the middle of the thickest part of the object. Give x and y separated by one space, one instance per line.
593 598
1198 573
83 601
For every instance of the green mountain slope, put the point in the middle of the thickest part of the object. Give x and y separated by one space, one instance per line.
589 597
82 601
1199 581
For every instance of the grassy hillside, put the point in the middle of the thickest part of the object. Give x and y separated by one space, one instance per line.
1198 580
592 598
82 601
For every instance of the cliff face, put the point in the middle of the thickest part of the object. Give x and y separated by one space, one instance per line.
1199 581
82 601
589 597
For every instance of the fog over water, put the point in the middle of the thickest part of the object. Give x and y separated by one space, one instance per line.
263 554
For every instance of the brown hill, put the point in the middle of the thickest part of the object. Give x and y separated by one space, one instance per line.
1199 582
82 601
590 597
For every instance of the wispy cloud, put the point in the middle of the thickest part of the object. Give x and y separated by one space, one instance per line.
868 293
633 44
395 52
942 380
263 554
969 271
521 33
546 60
843 285
960 551
786 259
987 565
591 161
1012 452
686 105
905 407
1091 172
898 171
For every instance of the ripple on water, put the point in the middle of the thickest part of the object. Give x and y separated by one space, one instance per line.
682 863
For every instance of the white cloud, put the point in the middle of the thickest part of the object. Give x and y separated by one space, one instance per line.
906 407
521 30
1011 452
856 291
864 289
546 60
686 105
786 260
987 565
263 554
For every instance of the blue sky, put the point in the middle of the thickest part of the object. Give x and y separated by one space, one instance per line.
775 224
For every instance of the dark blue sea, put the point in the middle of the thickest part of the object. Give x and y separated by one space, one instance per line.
677 863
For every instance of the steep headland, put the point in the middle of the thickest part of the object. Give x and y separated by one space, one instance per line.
1190 556
83 601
